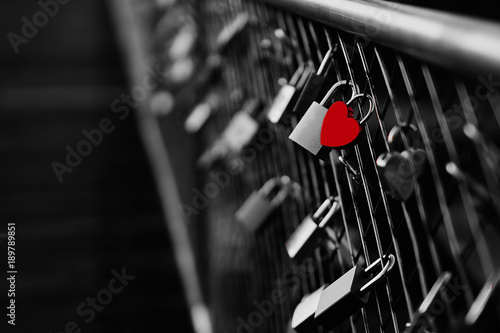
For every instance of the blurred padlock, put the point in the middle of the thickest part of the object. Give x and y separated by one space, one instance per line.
287 95
395 167
349 293
303 315
308 234
316 84
307 133
202 112
237 134
242 127
260 204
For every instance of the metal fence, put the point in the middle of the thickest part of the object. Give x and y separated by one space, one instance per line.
447 230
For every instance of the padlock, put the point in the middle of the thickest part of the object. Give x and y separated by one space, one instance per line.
340 130
303 315
307 133
242 127
306 237
349 293
395 167
259 205
202 112
287 95
238 133
316 84
415 151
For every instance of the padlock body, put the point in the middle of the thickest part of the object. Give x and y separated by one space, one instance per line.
254 211
282 103
342 299
396 175
240 131
304 239
307 133
314 89
303 315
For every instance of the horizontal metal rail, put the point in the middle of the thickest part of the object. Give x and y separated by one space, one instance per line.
453 41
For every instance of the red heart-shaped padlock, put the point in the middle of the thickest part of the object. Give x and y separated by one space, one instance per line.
339 128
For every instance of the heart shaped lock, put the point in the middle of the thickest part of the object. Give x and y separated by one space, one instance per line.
396 174
339 129
396 168
419 158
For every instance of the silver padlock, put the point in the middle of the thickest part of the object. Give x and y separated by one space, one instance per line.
307 133
242 127
237 134
288 94
306 237
303 315
349 293
260 204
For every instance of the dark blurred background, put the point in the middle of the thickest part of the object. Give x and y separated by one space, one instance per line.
105 215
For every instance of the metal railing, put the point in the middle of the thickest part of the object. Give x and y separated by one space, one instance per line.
453 41
446 233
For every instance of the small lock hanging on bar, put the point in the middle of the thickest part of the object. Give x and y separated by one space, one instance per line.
237 134
309 131
349 293
287 95
306 237
303 315
242 127
395 166
316 84
260 204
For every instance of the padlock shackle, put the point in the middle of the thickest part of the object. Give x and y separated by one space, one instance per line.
370 110
332 211
322 209
411 137
335 87
377 278
282 182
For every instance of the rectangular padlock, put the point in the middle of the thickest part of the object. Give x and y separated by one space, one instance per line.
349 293
259 205
303 315
242 127
307 133
288 95
308 234
254 212
316 85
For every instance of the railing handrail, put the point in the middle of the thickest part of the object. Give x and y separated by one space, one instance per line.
452 41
